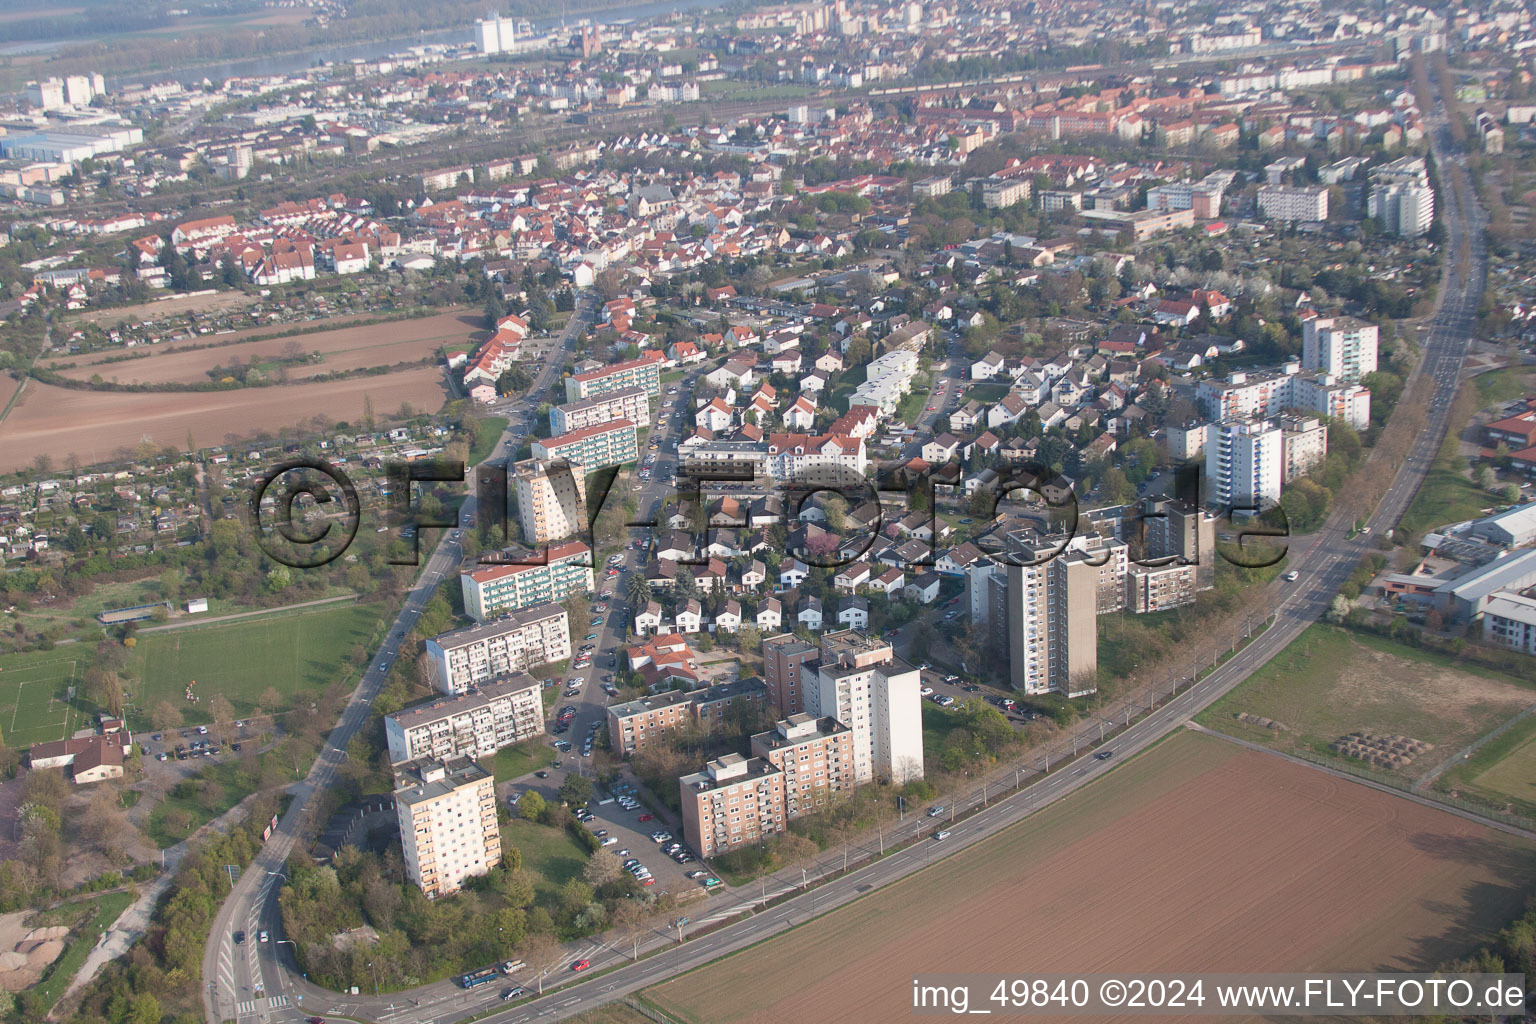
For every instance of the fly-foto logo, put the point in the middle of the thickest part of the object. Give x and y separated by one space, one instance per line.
307 512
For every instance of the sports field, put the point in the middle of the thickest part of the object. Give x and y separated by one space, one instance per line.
35 704
294 653
1198 855
1331 681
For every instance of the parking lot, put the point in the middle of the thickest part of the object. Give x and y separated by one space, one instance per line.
634 835
960 691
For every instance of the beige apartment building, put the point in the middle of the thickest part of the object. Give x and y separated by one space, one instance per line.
735 800
636 723
816 757
448 827
551 500
515 642
861 683
477 723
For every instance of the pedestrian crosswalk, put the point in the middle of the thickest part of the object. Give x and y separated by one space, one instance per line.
254 1007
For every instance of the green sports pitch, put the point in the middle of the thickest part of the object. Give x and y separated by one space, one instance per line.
40 697
295 653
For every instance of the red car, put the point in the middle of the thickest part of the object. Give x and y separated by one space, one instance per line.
581 965
647 817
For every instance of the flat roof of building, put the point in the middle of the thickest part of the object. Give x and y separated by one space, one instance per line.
499 626
477 697
457 772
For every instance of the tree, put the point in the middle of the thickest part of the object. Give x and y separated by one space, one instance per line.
629 918
638 590
748 639
222 710
165 717
368 416
105 688
532 806
542 953
602 868
575 790
105 824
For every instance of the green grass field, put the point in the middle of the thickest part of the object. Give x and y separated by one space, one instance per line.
35 703
295 653
521 758
986 393
1501 771
491 428
549 855
1330 682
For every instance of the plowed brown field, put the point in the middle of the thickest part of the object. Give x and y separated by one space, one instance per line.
345 348
96 425
1198 856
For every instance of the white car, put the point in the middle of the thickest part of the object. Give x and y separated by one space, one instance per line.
926 691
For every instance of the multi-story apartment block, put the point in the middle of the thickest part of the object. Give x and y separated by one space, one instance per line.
860 682
1403 208
734 801
1291 205
1243 464
1327 396
1340 346
716 707
515 642
551 499
633 404
1303 444
490 590
799 456
1050 619
783 657
636 724
816 757
1202 197
448 827
594 447
1246 396
1159 588
499 713
1000 193
1184 531
644 373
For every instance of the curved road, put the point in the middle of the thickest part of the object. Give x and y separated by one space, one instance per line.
1324 563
